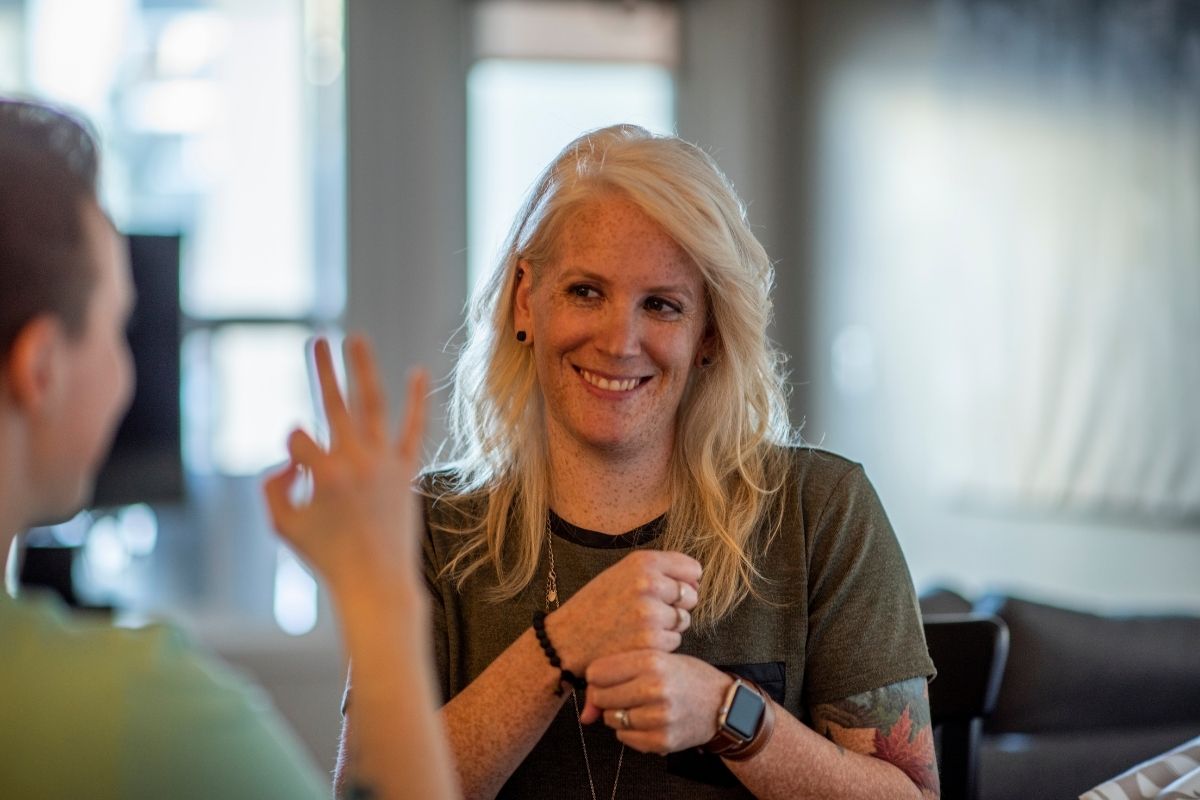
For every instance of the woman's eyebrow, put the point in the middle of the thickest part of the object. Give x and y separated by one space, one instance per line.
580 273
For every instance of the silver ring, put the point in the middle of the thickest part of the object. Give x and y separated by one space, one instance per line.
623 717
679 599
679 619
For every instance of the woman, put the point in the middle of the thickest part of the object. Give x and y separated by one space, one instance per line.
627 512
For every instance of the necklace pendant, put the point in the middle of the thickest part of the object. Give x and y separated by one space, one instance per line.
552 596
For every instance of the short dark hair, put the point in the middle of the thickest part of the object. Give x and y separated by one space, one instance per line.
48 171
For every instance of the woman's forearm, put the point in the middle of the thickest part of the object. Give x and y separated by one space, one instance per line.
494 723
800 763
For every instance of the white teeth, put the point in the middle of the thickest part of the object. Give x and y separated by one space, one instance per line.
607 385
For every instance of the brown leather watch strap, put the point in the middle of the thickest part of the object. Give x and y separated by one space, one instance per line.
726 746
763 735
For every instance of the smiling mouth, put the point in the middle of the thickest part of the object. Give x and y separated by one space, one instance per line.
611 384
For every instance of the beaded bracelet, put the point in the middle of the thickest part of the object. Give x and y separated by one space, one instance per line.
565 675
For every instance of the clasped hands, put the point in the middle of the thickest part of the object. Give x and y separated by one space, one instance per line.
620 631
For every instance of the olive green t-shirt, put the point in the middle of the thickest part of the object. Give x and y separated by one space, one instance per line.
92 711
838 617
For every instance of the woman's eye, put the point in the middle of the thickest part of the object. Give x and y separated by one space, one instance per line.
658 304
582 290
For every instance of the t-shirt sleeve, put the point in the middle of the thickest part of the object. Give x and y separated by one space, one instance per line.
864 627
431 564
194 729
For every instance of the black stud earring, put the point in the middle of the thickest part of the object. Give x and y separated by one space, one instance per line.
706 362
521 336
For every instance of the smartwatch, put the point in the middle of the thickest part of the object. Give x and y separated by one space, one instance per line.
739 720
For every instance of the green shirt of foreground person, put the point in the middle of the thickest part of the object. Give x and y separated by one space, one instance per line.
92 711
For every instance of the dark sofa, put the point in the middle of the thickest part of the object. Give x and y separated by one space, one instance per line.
1084 696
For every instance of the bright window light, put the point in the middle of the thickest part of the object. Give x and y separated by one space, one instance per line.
253 383
521 113
295 595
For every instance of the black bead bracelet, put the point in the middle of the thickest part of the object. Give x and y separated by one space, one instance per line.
565 675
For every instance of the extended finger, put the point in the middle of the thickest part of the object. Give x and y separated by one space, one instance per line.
366 391
332 402
413 429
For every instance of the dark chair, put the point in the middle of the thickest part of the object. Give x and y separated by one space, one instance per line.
969 651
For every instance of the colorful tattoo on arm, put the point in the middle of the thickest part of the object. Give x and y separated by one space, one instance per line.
890 723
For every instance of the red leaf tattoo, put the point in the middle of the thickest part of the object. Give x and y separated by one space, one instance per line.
914 755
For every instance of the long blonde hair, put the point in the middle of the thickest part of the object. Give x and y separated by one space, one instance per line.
725 478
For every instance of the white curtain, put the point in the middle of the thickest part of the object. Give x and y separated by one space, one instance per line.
1015 220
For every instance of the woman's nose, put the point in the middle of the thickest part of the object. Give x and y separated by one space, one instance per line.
619 334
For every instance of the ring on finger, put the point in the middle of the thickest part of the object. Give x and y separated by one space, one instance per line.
682 588
680 619
623 717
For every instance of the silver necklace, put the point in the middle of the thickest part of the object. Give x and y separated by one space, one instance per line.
552 597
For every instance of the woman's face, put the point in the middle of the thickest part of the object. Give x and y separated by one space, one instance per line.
616 321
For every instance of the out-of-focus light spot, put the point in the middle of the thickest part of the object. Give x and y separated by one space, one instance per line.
178 106
74 531
190 43
104 552
295 595
138 525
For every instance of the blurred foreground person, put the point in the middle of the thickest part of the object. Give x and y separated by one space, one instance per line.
92 711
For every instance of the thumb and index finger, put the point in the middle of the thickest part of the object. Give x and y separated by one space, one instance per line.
368 401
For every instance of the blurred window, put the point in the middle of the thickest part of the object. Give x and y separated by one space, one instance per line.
544 73
222 122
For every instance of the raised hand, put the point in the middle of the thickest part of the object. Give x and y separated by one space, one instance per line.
643 602
359 524
656 702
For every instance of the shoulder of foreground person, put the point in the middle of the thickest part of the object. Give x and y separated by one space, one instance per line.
97 711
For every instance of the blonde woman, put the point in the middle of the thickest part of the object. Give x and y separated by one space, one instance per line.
630 534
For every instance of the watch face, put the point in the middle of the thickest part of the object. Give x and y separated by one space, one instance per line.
744 712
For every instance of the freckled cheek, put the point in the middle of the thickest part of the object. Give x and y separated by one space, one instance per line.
562 334
674 356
